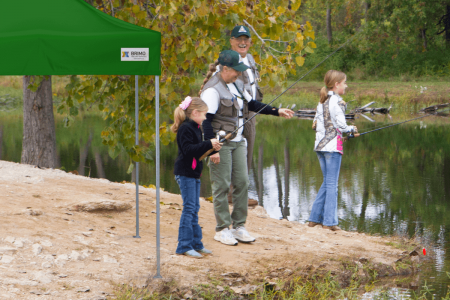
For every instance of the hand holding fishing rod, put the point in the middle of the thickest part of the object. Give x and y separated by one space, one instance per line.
222 136
353 134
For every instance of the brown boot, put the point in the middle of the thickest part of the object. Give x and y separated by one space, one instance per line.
252 202
312 224
332 228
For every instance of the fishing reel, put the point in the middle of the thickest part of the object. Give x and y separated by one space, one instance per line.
351 135
221 134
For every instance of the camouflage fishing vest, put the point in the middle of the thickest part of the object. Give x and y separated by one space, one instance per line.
246 79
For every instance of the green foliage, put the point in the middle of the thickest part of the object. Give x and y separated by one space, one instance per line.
192 37
396 38
35 82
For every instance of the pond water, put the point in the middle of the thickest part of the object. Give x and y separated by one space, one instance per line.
393 181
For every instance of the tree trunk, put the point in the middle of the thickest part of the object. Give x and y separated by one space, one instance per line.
287 171
260 186
39 141
447 26
84 151
99 165
279 184
366 9
1 141
424 38
329 31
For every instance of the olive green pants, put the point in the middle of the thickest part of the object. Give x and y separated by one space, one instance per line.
232 169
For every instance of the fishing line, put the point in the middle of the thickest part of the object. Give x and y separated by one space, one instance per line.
382 126
353 135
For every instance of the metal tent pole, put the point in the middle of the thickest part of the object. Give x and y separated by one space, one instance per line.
136 112
158 257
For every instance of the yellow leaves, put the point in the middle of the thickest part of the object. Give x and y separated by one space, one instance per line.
309 50
136 9
290 26
281 10
182 57
186 64
295 4
141 15
308 26
309 31
300 60
202 11
310 34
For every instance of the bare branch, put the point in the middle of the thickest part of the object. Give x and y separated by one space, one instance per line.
253 29
278 50
112 8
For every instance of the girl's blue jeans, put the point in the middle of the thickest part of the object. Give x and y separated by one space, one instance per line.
324 209
189 233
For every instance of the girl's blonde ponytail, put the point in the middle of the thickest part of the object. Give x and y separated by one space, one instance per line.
178 117
323 94
212 69
331 78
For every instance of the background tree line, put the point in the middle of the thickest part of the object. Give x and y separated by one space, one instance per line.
398 38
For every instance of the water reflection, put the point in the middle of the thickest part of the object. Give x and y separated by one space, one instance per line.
394 181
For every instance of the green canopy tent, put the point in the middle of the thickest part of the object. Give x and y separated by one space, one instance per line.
70 37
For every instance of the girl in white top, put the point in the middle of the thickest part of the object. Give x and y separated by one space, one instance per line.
329 124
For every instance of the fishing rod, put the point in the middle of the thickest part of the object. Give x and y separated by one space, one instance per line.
225 137
354 135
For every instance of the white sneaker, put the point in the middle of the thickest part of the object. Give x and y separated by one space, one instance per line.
225 237
242 235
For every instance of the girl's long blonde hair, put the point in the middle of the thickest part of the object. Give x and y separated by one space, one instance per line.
331 78
180 115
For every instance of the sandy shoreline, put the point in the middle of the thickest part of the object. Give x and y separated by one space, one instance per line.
51 247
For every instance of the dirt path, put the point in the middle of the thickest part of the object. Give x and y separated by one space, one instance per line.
51 248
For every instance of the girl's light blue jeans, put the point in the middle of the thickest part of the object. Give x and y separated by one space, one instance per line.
324 209
189 232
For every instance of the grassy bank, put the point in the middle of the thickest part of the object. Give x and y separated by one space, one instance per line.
415 93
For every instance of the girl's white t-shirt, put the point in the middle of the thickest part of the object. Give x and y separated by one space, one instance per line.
211 97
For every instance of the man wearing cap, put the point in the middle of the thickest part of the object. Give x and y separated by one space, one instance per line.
241 41
228 101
